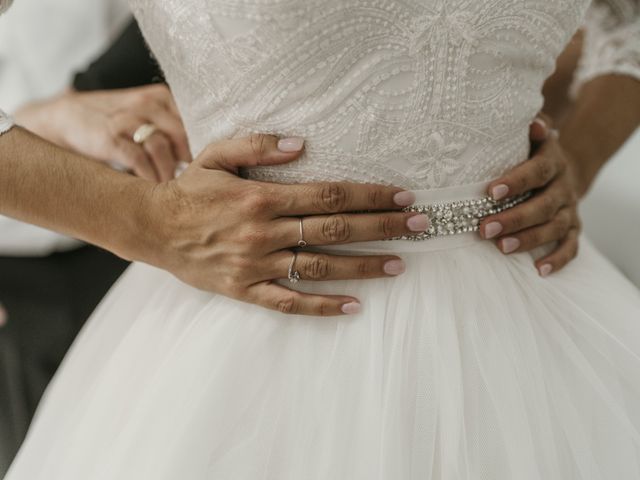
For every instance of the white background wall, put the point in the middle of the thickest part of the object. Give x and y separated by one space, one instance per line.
611 211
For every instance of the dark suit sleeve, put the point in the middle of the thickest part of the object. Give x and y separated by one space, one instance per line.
127 63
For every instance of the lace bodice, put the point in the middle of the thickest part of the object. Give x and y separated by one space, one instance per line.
416 93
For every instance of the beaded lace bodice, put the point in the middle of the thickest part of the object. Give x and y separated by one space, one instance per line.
416 93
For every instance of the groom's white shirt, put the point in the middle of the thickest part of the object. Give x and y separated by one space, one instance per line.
42 44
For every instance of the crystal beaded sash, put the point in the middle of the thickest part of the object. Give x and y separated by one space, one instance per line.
455 214
463 216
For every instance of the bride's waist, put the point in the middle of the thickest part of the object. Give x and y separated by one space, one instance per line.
455 214
414 166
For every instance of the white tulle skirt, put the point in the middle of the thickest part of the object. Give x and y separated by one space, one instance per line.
469 366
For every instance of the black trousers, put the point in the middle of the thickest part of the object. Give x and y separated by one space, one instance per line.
48 301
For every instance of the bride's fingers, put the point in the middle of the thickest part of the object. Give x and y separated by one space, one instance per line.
529 175
347 228
566 251
276 297
539 209
534 237
322 267
539 128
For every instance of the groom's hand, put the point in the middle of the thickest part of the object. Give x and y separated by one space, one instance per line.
236 237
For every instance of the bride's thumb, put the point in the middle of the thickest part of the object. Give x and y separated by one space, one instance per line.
253 151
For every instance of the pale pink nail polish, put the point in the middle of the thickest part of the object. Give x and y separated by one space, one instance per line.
545 270
492 229
499 191
404 199
394 267
510 245
542 124
418 223
351 308
292 144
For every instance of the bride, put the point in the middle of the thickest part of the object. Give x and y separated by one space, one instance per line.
468 366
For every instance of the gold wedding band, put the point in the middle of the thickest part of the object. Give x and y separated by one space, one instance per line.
144 132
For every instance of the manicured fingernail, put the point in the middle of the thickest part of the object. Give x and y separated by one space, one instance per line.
3 316
545 270
492 230
418 223
510 245
542 124
404 199
292 144
351 308
394 267
499 191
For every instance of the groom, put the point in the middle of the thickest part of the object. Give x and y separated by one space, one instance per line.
46 300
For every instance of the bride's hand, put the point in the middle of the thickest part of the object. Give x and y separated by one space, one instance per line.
551 215
233 236
102 125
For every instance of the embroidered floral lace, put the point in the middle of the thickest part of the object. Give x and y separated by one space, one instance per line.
5 120
417 93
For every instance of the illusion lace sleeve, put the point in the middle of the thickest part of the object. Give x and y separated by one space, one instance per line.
4 4
5 122
612 41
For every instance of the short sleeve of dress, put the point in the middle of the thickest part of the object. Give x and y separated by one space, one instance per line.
4 5
611 42
5 121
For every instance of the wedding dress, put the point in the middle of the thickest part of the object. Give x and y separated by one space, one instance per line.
5 122
467 367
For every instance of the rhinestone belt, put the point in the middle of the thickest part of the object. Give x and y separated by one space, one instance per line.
453 218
